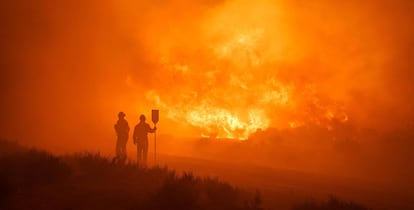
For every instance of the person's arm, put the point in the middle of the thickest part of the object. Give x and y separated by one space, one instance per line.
151 130
116 127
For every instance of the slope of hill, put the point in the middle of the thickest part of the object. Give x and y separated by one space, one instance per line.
34 179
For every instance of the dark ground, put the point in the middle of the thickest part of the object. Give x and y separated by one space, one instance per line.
33 179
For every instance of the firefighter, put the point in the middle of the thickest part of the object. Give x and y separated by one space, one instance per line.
122 131
140 137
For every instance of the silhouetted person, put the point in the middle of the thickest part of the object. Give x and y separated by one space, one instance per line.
122 131
141 139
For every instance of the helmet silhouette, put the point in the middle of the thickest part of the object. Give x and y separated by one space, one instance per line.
142 117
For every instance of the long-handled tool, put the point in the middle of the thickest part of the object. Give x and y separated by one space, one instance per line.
155 118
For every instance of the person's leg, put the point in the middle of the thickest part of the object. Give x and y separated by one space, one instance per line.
118 147
123 151
117 151
145 148
139 153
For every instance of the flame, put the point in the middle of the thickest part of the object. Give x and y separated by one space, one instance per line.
212 119
233 86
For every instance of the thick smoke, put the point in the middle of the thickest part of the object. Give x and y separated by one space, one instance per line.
68 67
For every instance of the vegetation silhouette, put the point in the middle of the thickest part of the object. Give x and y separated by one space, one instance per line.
34 178
332 203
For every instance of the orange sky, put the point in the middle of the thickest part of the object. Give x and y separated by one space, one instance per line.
212 67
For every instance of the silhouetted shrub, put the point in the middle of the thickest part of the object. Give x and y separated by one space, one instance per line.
178 192
190 192
5 189
332 203
33 167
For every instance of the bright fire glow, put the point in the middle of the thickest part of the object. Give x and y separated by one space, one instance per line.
232 80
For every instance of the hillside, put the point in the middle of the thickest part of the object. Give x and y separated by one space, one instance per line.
34 179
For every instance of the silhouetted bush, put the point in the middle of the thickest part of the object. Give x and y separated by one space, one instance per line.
4 189
178 192
332 203
190 192
33 167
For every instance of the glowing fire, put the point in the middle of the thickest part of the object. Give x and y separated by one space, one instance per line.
232 87
215 120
